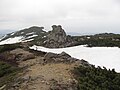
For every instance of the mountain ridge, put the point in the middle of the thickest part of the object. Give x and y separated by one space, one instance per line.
50 71
57 38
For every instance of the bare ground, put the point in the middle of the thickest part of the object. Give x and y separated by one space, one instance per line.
51 76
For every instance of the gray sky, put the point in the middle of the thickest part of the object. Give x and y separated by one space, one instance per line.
79 16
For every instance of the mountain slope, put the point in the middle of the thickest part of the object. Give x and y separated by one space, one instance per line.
25 35
56 38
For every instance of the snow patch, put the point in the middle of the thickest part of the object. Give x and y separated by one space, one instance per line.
32 36
28 40
12 40
22 32
44 36
30 33
88 37
15 40
3 37
44 41
99 56
12 33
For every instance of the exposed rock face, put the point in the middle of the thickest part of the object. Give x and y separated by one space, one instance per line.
58 34
62 57
57 38
22 55
16 55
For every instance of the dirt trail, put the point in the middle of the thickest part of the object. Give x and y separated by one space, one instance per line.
50 76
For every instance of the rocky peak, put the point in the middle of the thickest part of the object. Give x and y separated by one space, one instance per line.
57 28
58 34
57 37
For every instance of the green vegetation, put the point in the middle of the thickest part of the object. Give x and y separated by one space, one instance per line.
7 73
92 78
105 39
9 47
6 68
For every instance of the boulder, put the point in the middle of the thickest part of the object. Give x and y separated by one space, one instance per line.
56 58
64 55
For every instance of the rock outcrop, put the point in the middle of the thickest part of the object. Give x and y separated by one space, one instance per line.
55 58
57 34
22 55
57 38
64 58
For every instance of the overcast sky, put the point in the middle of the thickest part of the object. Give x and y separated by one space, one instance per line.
79 16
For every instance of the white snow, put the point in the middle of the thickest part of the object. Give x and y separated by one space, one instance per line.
99 56
11 40
28 40
44 36
3 37
32 36
22 32
30 33
44 42
12 33
14 40
88 37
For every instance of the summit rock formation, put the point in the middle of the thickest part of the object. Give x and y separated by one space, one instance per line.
57 38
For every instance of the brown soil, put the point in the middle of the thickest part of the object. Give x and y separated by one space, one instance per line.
51 76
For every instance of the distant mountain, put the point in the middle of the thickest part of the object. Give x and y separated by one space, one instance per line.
24 35
57 38
36 35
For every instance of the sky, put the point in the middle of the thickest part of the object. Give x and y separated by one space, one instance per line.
77 16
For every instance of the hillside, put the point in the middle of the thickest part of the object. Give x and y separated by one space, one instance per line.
99 40
24 66
57 38
37 70
26 35
25 69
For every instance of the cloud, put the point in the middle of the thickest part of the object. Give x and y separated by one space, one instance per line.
84 16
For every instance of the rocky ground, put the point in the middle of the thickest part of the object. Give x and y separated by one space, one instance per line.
44 71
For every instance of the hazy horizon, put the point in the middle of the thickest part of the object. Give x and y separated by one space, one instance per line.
3 32
79 16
